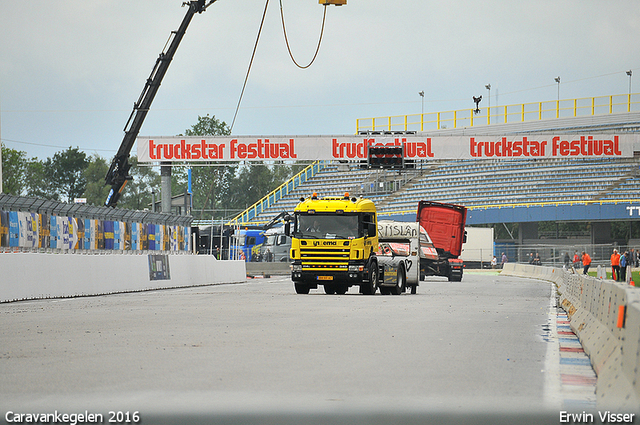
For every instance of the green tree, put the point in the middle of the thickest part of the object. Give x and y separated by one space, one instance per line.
253 182
137 195
95 190
14 165
68 173
210 184
208 126
39 181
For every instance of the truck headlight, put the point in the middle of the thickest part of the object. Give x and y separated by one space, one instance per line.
296 268
356 268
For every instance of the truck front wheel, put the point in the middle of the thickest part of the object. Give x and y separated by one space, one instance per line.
455 276
371 287
301 288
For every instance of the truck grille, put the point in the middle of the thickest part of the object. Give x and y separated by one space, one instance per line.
323 258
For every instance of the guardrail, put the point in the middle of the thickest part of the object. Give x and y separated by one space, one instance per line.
43 225
605 315
505 114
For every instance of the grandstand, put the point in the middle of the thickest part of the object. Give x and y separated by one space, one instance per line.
487 183
473 183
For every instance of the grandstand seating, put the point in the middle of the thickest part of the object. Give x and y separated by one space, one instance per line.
488 182
474 183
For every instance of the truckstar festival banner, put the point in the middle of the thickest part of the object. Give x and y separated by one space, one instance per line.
295 148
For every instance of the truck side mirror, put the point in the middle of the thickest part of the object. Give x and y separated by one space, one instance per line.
287 228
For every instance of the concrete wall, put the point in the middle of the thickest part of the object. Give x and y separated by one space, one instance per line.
605 315
276 268
38 275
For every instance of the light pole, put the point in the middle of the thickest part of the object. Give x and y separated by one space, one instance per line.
557 80
488 87
629 73
421 93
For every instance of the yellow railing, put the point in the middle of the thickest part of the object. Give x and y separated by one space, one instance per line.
523 112
254 210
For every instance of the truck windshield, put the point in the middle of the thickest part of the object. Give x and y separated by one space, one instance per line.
327 226
271 240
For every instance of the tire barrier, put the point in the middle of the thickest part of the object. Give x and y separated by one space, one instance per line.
605 315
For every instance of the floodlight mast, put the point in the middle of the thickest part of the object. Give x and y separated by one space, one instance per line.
118 173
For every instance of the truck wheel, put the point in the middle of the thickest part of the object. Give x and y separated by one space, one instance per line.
342 289
397 290
301 288
371 287
457 277
329 289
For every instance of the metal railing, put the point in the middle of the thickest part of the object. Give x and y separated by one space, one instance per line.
39 225
505 114
277 194
555 254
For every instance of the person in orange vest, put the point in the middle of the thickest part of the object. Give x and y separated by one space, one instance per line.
615 265
586 262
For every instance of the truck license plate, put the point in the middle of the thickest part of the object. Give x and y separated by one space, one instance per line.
325 277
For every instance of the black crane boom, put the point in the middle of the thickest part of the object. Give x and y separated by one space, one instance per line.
118 173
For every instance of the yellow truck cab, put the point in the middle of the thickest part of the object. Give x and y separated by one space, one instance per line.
333 243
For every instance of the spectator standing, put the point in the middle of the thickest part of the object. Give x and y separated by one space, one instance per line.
567 260
615 265
494 262
586 262
504 260
576 260
623 266
536 260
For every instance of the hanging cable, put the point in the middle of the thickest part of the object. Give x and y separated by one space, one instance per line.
249 69
284 29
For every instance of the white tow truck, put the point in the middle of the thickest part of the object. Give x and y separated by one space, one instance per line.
402 245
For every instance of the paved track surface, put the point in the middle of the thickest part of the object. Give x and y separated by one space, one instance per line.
471 348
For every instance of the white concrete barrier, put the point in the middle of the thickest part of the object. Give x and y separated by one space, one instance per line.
605 315
38 275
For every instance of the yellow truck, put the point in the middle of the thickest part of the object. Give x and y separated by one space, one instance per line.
333 244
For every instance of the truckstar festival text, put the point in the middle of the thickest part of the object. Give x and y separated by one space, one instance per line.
224 148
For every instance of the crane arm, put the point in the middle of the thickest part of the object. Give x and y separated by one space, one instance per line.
118 173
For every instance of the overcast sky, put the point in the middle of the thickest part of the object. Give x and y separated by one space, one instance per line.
70 70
